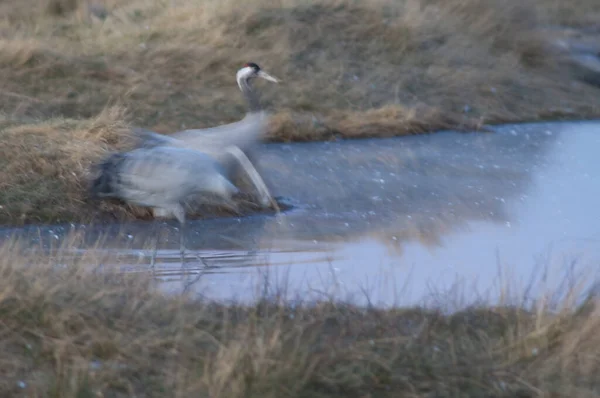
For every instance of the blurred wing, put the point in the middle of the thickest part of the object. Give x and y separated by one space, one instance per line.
215 139
252 175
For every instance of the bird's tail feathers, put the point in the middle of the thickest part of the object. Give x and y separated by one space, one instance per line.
107 177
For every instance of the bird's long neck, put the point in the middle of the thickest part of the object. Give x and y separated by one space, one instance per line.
250 95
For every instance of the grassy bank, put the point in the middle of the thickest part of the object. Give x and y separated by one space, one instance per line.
70 332
351 69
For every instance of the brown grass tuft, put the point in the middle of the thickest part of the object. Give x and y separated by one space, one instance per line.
45 164
349 69
71 332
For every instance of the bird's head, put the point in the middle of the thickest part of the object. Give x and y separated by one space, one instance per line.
251 70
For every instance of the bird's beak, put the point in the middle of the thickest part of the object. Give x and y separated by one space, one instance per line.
268 77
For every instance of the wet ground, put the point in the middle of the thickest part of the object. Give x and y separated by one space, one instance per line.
398 220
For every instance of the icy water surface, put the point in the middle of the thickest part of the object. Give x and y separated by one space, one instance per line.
396 220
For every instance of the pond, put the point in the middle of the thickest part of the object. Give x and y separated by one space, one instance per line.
396 221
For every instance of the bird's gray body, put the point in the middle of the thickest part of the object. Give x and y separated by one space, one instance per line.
161 177
228 158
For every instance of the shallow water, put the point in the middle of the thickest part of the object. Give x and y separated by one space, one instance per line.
397 220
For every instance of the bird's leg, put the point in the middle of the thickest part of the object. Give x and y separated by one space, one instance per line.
158 213
154 248
180 215
182 246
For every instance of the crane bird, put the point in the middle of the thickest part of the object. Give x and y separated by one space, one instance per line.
162 178
227 143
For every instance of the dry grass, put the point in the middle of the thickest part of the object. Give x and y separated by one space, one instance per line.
350 69
70 332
